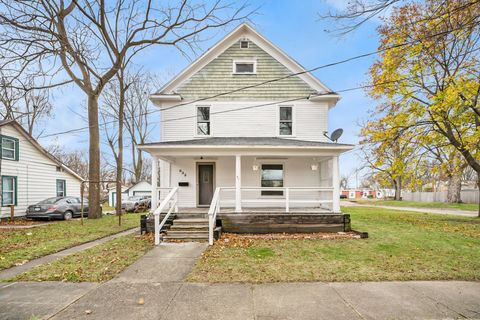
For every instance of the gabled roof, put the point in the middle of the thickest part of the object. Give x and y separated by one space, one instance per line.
242 31
37 145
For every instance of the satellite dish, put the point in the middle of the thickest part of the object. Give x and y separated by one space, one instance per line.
335 135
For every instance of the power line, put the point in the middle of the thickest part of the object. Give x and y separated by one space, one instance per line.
281 78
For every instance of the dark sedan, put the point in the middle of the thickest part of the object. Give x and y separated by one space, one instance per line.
57 208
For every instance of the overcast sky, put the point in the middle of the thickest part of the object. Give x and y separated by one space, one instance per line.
296 28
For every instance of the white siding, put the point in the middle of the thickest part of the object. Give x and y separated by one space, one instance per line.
36 175
310 120
140 189
297 173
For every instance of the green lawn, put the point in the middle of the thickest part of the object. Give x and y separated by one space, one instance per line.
19 246
403 203
401 246
97 264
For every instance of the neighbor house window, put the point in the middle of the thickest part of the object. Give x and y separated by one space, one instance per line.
9 190
286 121
203 121
272 176
61 188
9 148
244 67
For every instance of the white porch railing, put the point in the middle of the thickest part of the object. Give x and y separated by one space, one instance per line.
212 214
285 200
170 202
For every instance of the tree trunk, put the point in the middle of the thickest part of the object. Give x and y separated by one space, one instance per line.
120 152
139 166
398 188
454 188
478 186
94 210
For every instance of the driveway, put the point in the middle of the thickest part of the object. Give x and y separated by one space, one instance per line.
158 280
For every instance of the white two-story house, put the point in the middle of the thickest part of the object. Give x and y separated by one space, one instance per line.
243 132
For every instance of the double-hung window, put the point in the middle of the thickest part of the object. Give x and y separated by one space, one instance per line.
61 188
286 121
203 121
272 177
9 190
9 148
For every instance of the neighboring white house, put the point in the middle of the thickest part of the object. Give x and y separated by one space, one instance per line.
29 173
230 127
142 188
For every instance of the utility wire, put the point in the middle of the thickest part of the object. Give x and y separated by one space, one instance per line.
473 21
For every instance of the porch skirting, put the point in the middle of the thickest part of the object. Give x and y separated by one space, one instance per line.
284 222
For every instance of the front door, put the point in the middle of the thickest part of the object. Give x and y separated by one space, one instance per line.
205 184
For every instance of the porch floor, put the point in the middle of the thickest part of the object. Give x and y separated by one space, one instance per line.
257 210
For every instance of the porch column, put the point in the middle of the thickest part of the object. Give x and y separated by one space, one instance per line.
238 183
154 200
336 184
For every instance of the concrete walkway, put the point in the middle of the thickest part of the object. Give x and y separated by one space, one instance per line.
11 272
158 279
415 209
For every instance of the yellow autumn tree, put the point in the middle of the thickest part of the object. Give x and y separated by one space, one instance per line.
427 77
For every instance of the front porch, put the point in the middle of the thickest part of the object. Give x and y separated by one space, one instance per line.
269 184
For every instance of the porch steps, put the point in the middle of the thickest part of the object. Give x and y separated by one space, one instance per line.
187 229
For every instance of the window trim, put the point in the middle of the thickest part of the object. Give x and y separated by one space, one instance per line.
15 191
244 61
15 148
293 121
64 187
282 196
195 129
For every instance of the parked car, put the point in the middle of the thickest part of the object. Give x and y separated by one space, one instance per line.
57 208
343 196
136 203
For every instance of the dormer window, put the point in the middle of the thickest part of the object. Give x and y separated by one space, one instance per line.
244 67
244 44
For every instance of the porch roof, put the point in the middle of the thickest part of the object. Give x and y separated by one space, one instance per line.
247 142
245 146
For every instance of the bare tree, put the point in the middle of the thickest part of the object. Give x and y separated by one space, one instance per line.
137 111
92 39
357 13
25 104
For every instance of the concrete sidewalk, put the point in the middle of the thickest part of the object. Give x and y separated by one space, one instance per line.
372 300
414 209
158 278
11 272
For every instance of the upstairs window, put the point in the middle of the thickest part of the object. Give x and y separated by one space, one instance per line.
244 44
244 67
203 121
61 188
286 121
9 148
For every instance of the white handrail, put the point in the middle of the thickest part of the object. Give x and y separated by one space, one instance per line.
212 214
156 214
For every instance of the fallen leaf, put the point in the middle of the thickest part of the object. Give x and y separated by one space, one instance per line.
141 301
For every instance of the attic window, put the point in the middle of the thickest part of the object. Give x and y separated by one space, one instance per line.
245 67
244 44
